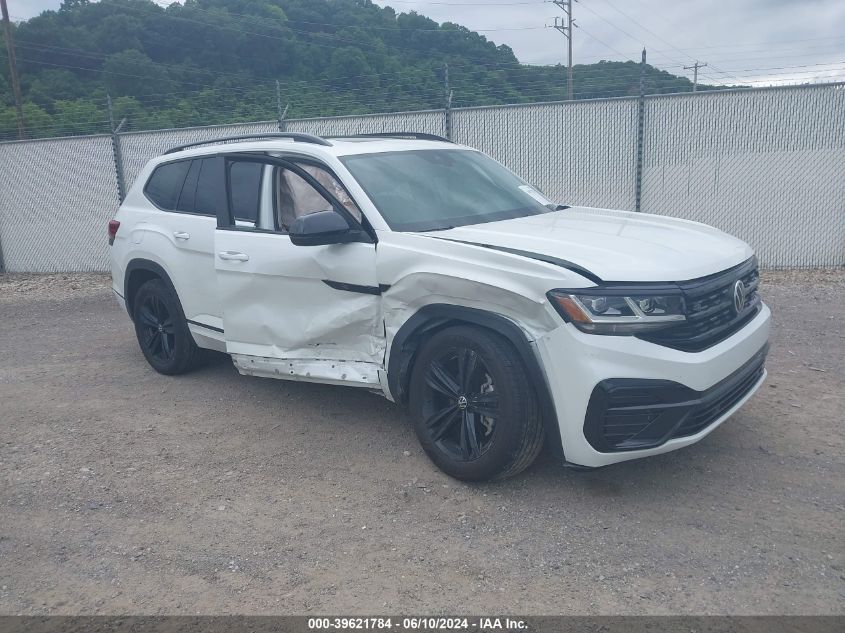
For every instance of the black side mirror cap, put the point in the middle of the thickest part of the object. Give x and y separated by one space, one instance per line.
322 228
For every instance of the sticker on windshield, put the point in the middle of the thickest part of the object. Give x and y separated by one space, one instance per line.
539 197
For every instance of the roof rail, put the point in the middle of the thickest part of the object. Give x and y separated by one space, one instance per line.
421 136
293 136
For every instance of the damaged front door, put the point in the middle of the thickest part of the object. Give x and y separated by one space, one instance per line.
296 312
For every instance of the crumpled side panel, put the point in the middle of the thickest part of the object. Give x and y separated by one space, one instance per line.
424 270
350 373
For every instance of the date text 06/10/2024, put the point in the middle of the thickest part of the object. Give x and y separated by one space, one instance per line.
417 624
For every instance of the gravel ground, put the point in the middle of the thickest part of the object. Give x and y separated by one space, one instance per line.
124 491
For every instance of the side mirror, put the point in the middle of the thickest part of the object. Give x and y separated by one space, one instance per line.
323 227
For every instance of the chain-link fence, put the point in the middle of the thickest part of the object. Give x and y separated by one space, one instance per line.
55 200
767 165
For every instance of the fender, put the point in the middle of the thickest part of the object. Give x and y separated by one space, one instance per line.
433 317
148 266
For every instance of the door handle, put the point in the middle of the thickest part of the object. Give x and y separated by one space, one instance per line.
233 256
181 235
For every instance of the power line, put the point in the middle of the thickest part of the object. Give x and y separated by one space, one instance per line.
606 45
767 44
648 30
469 4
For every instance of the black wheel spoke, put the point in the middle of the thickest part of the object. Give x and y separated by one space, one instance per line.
155 342
464 444
148 318
165 344
155 308
440 422
486 404
467 362
167 326
440 380
473 449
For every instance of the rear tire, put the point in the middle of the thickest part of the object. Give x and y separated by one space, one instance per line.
162 331
474 410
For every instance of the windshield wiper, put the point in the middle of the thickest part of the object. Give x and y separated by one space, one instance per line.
556 207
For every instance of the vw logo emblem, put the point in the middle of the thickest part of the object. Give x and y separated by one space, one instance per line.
463 403
739 295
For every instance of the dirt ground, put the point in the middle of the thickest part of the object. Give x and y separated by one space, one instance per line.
124 491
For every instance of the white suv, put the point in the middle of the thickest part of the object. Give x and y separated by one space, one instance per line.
428 272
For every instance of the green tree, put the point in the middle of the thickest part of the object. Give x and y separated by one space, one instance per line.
79 116
132 73
214 61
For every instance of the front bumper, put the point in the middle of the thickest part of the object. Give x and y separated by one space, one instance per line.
697 391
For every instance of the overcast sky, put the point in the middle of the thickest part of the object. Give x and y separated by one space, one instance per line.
753 41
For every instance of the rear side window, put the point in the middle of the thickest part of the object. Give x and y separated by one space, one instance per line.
165 185
245 180
189 186
211 187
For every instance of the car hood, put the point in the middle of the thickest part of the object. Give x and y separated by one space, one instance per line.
612 245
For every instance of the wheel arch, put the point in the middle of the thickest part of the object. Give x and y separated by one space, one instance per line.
435 317
138 272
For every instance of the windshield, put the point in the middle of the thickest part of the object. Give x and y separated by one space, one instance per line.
436 189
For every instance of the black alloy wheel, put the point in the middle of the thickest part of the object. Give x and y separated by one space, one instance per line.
162 330
158 329
474 410
461 404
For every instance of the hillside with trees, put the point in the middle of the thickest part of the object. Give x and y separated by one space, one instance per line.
218 61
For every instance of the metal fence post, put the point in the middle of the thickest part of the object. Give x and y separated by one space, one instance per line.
638 187
118 155
447 109
2 265
449 116
281 114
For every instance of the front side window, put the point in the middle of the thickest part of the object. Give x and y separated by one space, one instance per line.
245 182
436 189
295 197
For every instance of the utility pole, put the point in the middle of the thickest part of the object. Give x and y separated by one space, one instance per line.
565 26
13 70
695 68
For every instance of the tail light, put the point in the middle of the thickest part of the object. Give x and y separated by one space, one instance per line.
113 226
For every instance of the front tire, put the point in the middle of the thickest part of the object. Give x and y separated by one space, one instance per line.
162 331
474 411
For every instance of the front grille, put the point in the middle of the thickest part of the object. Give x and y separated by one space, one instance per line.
709 412
631 414
711 315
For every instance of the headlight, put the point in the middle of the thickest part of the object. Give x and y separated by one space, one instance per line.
619 310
